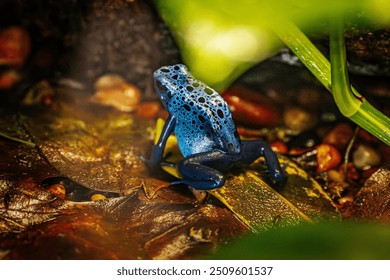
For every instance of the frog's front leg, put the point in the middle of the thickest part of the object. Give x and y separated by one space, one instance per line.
253 149
158 149
203 171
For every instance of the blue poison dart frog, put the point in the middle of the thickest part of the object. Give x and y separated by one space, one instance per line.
205 131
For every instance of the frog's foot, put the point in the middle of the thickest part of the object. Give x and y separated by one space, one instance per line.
280 177
198 175
251 150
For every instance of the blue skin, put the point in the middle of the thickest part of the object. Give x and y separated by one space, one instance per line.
205 131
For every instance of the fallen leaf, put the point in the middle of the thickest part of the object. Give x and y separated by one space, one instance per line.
168 226
92 145
372 202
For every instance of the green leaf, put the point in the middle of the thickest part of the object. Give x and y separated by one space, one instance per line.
348 100
334 77
308 242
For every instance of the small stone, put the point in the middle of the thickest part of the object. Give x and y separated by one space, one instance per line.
328 157
15 46
279 147
345 200
148 110
98 196
339 136
58 190
108 81
335 176
365 157
113 91
298 120
9 78
250 108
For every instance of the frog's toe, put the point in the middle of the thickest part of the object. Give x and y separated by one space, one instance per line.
199 176
202 185
278 175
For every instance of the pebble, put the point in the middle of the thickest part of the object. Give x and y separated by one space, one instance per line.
335 176
250 108
328 157
279 147
299 120
114 91
58 190
98 196
15 46
364 157
345 200
339 136
250 132
9 78
148 110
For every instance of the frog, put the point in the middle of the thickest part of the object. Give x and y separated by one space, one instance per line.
206 134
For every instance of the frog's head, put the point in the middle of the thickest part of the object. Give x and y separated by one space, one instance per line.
168 79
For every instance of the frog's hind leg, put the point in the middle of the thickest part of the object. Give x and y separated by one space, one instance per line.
253 149
199 170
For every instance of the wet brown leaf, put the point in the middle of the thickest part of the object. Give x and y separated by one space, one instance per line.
261 205
23 202
25 205
131 227
373 200
90 144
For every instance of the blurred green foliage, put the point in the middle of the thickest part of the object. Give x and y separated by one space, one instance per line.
220 39
313 242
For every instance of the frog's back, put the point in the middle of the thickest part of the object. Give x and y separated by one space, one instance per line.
204 120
